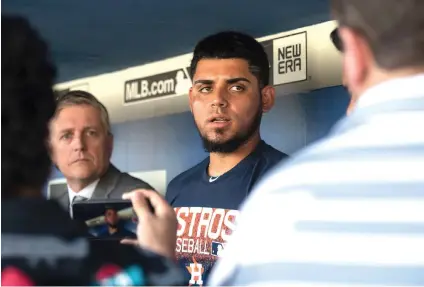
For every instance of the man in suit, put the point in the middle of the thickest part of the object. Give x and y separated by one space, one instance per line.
81 145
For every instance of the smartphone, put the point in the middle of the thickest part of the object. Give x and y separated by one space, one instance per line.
107 219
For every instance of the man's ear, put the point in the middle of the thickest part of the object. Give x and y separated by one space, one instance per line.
268 98
109 143
357 58
190 99
49 142
50 150
52 154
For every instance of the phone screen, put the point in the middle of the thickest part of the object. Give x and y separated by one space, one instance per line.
112 220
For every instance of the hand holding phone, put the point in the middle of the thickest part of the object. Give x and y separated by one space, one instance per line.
157 222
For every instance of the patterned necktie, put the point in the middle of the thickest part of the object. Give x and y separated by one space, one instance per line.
76 199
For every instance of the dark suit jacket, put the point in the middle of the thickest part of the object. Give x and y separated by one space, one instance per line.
112 184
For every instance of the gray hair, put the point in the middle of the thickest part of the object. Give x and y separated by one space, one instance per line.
77 98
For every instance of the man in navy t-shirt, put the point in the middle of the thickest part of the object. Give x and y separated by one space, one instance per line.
230 93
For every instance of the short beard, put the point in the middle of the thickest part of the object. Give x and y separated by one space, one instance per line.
234 143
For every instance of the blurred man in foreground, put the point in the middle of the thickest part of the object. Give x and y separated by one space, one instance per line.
349 208
40 244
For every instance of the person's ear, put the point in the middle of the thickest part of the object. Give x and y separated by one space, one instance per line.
190 99
268 98
109 144
49 145
51 152
357 58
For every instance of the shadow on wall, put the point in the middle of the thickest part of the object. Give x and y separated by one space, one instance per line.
172 142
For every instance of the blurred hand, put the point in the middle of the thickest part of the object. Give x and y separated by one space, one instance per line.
157 230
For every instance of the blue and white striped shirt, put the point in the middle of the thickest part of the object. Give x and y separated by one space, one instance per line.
348 210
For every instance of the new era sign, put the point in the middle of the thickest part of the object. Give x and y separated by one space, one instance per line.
290 59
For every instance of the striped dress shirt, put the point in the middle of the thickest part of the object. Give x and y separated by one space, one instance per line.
346 211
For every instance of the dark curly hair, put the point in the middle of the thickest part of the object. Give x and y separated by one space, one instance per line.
27 105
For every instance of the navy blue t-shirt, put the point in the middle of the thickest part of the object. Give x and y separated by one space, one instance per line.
207 208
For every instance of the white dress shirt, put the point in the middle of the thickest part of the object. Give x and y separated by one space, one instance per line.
86 192
346 211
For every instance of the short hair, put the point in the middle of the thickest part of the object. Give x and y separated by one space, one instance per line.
234 45
27 105
393 29
77 98
108 207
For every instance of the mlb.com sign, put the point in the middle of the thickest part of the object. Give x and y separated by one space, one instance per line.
290 59
175 82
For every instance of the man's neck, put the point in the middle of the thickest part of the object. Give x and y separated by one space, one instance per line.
220 163
379 76
78 185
